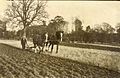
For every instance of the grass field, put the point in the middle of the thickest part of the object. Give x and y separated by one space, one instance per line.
16 63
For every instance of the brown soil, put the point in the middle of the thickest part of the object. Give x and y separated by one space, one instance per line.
16 63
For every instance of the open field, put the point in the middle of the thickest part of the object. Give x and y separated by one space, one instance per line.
102 58
16 63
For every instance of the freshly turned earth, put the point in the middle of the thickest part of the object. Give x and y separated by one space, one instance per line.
16 63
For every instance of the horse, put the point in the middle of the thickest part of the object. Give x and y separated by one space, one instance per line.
55 39
38 42
41 41
46 40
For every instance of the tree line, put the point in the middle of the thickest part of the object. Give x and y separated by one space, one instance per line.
102 33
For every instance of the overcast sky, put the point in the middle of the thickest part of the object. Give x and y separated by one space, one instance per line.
89 12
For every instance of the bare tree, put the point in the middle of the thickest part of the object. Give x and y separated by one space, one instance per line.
26 12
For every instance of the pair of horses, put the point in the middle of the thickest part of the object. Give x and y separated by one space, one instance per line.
46 40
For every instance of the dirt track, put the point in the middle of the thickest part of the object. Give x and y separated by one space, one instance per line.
15 63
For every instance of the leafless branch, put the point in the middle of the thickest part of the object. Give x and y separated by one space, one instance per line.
27 11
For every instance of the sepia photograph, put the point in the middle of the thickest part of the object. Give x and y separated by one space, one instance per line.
59 39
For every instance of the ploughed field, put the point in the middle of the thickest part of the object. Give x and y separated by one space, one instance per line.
16 63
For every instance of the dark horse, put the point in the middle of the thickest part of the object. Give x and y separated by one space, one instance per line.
38 41
55 39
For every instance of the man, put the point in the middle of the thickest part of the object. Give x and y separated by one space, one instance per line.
23 42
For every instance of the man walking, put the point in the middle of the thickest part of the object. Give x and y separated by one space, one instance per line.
23 42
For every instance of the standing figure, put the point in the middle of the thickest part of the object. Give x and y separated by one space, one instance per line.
23 42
